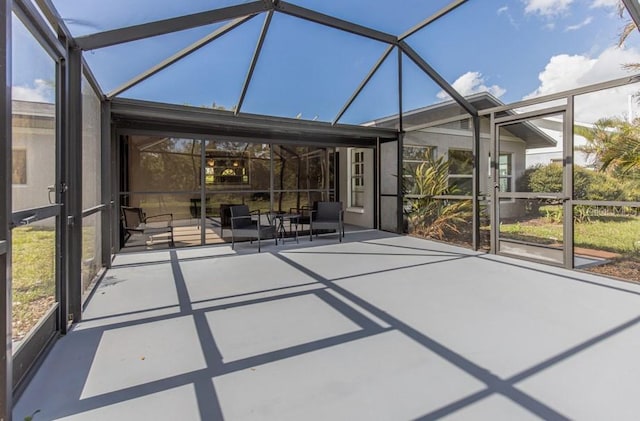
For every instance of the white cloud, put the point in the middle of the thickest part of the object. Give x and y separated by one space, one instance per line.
547 7
550 26
564 72
605 3
504 10
471 83
41 91
582 24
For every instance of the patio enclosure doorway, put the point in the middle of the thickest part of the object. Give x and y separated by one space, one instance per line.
524 197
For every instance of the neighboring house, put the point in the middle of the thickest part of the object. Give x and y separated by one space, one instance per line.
33 153
552 127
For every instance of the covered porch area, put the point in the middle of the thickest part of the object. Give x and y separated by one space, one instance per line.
380 326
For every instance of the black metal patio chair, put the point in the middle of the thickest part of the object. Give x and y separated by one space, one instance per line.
305 213
243 225
328 215
134 220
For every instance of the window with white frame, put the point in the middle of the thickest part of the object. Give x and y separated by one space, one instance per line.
460 171
19 166
505 172
356 187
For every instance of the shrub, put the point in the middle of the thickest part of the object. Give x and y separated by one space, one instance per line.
587 185
432 217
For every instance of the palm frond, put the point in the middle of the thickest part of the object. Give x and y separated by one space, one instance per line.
627 30
431 217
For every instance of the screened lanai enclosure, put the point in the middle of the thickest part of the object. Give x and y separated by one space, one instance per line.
506 127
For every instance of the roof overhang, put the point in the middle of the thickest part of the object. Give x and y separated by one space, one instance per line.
144 116
449 110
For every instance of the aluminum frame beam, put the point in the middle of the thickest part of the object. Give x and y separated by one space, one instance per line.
564 94
254 61
179 55
61 193
422 64
475 186
568 181
73 172
634 11
105 181
151 29
400 104
543 112
364 82
6 357
37 26
492 193
399 152
51 14
440 13
333 22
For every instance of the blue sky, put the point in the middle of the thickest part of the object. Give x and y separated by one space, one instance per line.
513 49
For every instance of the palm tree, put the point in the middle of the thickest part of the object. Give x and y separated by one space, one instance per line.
628 29
624 154
615 144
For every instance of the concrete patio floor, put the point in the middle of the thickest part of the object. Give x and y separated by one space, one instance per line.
377 327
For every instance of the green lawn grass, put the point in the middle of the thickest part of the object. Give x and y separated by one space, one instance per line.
33 269
621 235
33 273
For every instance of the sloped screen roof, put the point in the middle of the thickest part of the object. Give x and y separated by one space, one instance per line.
339 61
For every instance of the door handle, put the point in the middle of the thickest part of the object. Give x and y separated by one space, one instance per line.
28 219
51 189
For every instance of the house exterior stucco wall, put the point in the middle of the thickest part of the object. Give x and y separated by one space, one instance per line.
445 139
41 162
355 216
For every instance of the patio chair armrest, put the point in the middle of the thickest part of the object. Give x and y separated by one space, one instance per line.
305 210
257 213
170 215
